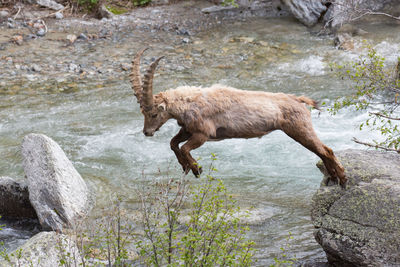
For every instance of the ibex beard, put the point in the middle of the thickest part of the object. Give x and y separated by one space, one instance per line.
221 112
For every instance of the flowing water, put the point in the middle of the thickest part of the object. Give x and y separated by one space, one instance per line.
99 124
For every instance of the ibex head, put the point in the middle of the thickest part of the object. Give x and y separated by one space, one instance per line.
153 108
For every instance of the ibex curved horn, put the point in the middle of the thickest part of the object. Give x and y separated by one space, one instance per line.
148 85
135 76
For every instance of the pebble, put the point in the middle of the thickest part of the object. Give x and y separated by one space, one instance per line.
31 77
37 25
41 32
73 67
36 68
71 38
183 31
185 40
31 36
82 36
59 15
10 25
125 66
18 39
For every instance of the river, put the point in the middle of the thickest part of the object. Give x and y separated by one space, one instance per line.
97 121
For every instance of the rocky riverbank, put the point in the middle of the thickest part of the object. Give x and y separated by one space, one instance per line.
42 50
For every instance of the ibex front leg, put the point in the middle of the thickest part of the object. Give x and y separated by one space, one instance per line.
182 136
195 141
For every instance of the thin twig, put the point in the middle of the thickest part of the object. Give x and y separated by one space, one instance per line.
370 12
384 116
52 14
16 15
375 145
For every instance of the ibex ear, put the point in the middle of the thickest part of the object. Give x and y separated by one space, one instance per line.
162 107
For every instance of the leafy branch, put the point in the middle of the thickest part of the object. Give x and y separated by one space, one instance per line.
375 86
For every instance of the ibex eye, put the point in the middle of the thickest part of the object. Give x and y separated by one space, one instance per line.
155 115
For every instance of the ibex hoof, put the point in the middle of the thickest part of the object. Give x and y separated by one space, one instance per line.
197 171
343 183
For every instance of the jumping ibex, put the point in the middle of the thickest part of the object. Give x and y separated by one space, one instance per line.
222 112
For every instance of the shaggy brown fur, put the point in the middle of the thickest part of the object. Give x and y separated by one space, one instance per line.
221 112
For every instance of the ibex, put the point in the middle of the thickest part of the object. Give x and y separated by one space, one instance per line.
221 112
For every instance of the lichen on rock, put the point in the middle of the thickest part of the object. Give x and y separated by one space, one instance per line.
360 225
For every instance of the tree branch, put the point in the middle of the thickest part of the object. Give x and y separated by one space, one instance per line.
375 145
384 116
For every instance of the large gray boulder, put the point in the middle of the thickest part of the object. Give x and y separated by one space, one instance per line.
307 12
14 200
45 249
360 225
56 190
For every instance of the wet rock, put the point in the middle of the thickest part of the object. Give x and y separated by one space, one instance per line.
56 190
307 12
49 4
360 226
46 249
344 41
14 200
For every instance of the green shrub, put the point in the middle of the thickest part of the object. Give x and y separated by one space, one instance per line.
209 234
376 90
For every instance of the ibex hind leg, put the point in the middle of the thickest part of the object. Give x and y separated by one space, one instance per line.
301 131
195 141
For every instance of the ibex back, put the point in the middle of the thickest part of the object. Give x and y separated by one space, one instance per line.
221 112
